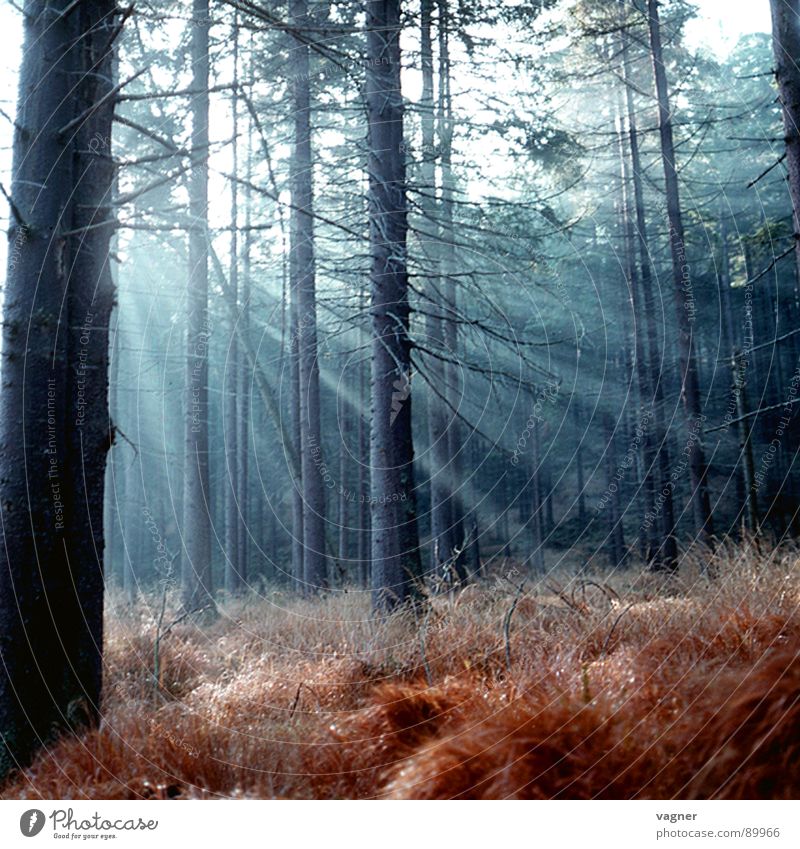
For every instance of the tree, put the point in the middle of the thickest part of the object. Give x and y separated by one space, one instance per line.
452 385
649 470
236 494
442 532
395 538
666 555
196 567
54 428
684 296
534 485
786 47
315 568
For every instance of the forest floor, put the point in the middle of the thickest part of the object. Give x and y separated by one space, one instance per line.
630 685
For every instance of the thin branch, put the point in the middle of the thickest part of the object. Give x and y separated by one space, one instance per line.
14 208
162 140
507 622
753 413
766 171
772 265
109 95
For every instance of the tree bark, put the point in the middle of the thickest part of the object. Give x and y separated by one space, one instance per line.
442 530
667 557
196 584
343 492
315 566
651 547
54 430
537 552
298 549
579 469
616 535
364 487
395 539
786 48
743 427
684 296
453 385
233 492
244 382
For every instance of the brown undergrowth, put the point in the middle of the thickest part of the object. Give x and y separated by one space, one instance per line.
618 686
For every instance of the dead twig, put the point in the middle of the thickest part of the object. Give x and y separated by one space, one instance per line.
423 631
296 700
613 627
507 623
573 605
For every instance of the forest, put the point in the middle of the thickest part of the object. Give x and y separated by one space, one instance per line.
399 400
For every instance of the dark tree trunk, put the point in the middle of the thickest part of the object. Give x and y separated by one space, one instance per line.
234 493
315 567
729 334
537 523
54 431
364 554
667 558
579 470
547 487
453 384
644 429
342 490
395 539
196 584
786 47
743 427
684 295
298 551
746 496
442 531
113 565
616 535
503 525
244 383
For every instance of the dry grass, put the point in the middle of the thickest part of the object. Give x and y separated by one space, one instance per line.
625 686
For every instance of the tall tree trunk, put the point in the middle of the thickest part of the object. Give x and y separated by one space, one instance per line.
343 491
442 531
786 47
298 549
54 431
547 488
233 492
746 495
667 557
315 566
111 501
244 383
651 547
616 535
743 427
504 524
452 386
579 469
129 519
729 334
684 296
537 523
395 539
196 584
364 487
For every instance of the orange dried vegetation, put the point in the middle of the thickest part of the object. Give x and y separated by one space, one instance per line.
623 686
